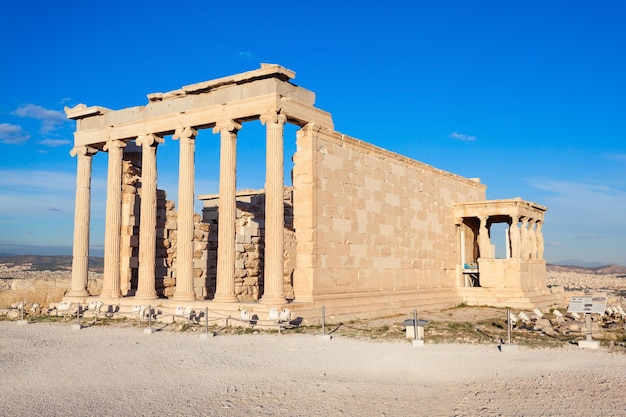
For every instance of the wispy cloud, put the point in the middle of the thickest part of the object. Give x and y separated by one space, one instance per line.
246 55
584 216
29 181
53 143
462 137
12 134
50 119
590 196
619 157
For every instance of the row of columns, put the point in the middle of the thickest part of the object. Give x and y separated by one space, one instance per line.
523 242
526 241
225 291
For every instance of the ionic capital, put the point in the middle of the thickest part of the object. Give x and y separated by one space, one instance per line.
273 117
83 151
114 144
149 139
188 133
227 126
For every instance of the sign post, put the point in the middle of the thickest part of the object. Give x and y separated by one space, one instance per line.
588 305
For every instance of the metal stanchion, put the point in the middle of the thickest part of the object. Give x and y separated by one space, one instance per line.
324 336
508 346
149 329
77 326
417 326
205 335
21 320
508 325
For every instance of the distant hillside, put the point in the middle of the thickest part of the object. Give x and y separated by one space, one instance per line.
50 263
64 262
600 270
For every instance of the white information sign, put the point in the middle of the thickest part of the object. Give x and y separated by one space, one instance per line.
595 304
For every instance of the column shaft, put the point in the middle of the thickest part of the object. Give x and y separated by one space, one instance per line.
113 227
540 242
184 243
82 211
225 286
147 220
274 210
484 243
532 239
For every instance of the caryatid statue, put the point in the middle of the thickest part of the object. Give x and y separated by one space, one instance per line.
525 241
540 243
514 237
484 244
532 237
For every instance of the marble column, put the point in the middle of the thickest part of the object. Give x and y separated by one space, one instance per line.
540 242
274 292
484 243
514 237
225 286
82 210
147 219
532 238
184 244
525 251
113 227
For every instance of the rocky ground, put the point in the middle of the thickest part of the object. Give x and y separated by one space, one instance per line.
368 368
50 369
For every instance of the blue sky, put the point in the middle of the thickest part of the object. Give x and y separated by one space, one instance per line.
528 96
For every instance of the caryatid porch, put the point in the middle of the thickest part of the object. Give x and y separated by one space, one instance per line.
223 105
519 276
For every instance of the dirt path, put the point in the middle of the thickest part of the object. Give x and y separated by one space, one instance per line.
49 369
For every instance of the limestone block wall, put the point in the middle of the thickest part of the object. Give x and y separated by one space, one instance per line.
167 225
129 240
249 239
369 220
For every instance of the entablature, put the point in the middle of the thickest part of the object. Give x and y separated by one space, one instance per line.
497 209
242 97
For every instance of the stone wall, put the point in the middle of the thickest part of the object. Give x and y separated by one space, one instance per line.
249 238
369 220
21 283
165 262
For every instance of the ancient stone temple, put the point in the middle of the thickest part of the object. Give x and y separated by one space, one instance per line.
362 231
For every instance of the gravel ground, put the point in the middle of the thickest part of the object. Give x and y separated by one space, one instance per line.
49 369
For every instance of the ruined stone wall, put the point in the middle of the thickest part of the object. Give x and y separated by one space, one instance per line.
249 239
165 262
369 220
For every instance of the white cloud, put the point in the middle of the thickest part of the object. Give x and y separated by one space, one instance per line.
12 134
246 55
462 137
28 181
50 119
617 157
42 201
584 220
53 143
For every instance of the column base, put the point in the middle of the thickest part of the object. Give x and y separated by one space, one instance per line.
188 296
146 295
78 294
110 294
225 298
273 300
